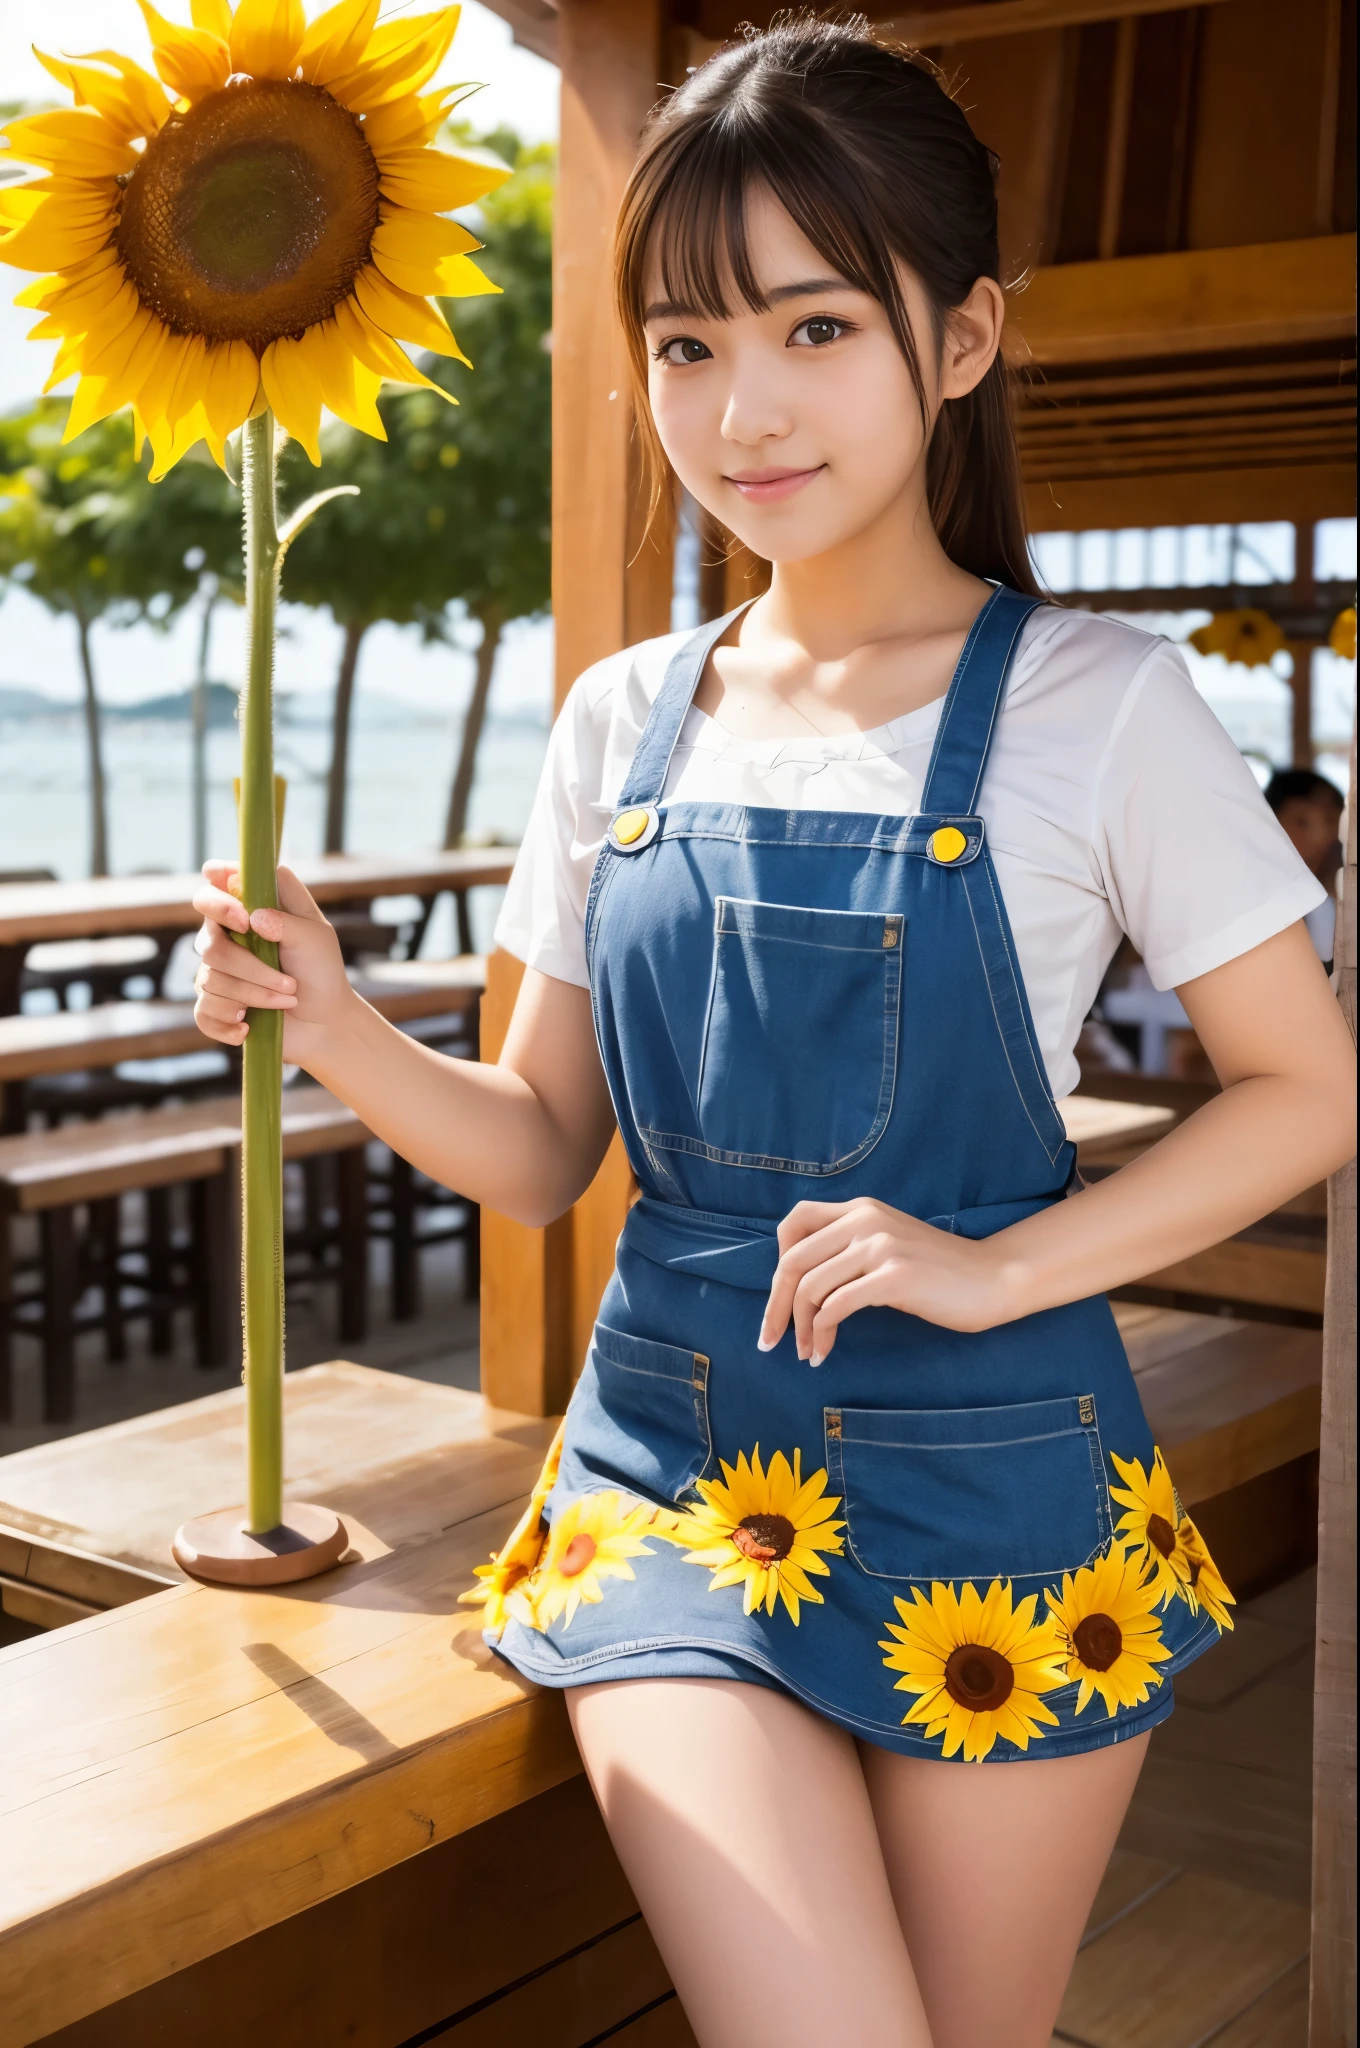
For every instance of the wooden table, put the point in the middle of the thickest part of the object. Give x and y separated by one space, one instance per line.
34 911
66 1041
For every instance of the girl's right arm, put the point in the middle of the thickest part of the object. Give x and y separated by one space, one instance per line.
524 1137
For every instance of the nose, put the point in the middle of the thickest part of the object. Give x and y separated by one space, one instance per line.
756 409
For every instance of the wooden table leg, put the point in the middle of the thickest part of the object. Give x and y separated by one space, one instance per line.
6 1317
105 1245
405 1254
353 1173
215 1206
160 1270
60 1289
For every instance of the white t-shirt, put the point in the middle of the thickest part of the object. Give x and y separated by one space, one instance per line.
1114 802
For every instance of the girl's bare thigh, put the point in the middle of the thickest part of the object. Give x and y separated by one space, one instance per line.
993 1868
791 1878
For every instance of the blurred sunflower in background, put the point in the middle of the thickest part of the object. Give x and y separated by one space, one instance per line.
1250 636
262 223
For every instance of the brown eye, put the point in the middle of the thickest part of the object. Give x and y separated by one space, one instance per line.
819 330
684 349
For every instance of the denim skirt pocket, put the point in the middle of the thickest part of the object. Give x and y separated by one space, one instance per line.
640 1414
787 983
970 1493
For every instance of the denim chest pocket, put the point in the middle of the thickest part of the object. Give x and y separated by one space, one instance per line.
971 1493
794 990
643 1410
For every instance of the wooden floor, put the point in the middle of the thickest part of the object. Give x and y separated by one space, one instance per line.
1200 1932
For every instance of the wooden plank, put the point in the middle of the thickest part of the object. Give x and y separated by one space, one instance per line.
401 1456
1323 490
610 55
1091 1120
928 27
77 1574
1193 301
35 1604
68 1041
428 1940
1333 1995
1014 89
30 911
1234 1407
1259 113
1186 1963
375 1719
1273 1275
586 1996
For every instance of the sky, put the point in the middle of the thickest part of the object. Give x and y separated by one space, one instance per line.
37 651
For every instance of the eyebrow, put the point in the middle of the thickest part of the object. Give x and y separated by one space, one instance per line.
806 288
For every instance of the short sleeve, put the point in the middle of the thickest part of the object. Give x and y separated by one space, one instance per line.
1197 869
543 914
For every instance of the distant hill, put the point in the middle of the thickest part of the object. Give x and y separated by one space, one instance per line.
222 702
16 703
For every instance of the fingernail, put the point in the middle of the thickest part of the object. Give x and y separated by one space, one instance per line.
288 985
240 1016
816 1358
801 1352
762 1345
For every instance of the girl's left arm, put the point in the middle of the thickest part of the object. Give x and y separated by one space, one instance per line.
1285 1119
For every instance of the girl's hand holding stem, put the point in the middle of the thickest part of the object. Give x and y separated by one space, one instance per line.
309 985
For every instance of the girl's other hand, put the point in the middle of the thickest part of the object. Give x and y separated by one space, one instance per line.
309 985
836 1257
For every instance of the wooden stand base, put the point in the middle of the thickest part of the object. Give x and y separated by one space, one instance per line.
219 1547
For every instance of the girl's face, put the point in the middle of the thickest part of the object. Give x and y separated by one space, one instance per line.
800 427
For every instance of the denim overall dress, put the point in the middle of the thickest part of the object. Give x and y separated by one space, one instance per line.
953 1544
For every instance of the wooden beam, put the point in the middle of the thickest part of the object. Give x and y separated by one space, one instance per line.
929 27
1192 302
1332 2014
1324 490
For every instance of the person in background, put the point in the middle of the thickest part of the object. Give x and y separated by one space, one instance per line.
1309 807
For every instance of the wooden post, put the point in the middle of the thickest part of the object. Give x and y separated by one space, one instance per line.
612 578
1331 2021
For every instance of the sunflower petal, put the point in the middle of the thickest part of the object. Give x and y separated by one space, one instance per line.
379 350
403 314
266 36
336 41
46 243
128 98
75 141
460 278
232 379
434 182
190 61
401 57
408 122
294 391
212 15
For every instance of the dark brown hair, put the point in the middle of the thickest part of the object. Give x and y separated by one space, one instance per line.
876 165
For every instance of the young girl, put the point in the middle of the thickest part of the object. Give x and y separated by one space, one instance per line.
855 1493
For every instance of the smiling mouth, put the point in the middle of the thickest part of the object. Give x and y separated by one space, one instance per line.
764 486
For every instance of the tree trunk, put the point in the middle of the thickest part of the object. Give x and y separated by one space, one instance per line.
99 808
1332 2003
460 795
337 784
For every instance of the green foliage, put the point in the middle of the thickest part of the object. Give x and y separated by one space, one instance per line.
455 506
83 530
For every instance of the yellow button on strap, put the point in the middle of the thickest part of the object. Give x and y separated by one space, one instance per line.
947 844
633 829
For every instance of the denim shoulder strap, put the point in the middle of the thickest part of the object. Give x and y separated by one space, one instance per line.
976 694
646 778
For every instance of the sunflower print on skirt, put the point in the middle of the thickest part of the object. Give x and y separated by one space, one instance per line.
763 1530
980 1666
1163 1540
1105 1617
501 1591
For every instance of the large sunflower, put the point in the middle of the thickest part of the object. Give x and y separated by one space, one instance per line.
1152 1528
979 1666
762 1530
263 225
501 1591
591 1539
1113 1643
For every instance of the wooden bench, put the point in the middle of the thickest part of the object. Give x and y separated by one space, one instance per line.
48 1174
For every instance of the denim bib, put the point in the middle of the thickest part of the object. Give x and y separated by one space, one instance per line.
952 1543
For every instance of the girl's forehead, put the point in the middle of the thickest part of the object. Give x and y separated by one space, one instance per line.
774 262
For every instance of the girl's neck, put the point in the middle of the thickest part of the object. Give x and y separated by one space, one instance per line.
892 581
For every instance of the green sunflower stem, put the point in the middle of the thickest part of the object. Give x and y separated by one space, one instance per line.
262 1072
